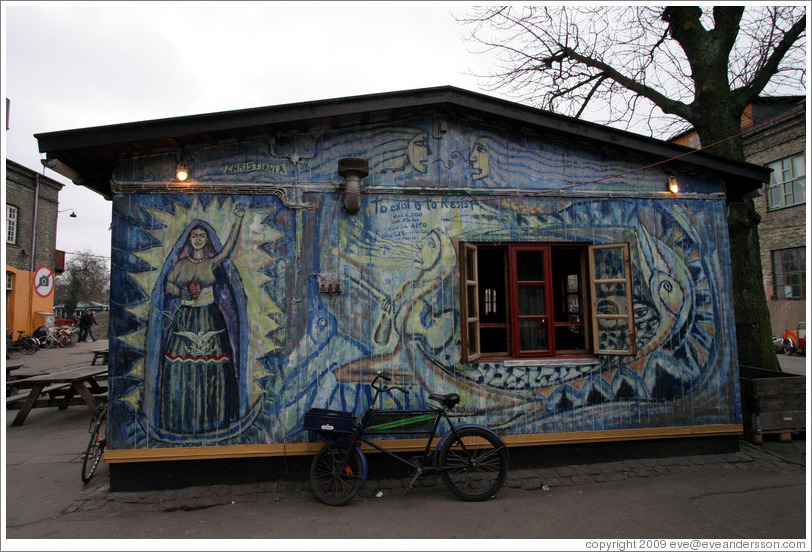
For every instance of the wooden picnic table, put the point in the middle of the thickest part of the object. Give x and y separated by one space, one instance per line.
11 366
100 354
77 385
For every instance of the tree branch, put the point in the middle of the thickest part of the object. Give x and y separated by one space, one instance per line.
664 102
750 92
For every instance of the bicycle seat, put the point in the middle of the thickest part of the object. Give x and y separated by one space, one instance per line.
449 401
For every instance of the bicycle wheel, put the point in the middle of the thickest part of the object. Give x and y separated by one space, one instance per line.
47 342
95 447
29 345
473 463
335 481
63 340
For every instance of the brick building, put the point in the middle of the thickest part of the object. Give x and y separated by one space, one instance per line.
781 145
775 137
32 202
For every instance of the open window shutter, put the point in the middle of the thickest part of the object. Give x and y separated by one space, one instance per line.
612 308
469 304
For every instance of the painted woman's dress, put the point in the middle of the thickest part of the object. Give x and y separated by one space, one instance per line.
198 382
198 378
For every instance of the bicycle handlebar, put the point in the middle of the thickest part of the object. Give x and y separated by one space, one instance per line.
388 389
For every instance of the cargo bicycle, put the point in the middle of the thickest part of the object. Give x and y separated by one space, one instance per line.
472 460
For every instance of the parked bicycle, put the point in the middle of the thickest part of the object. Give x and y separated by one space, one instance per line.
98 440
471 460
53 337
26 344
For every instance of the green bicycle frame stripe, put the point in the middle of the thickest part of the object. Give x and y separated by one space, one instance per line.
403 422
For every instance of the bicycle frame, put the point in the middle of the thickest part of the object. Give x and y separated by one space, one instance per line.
362 432
471 459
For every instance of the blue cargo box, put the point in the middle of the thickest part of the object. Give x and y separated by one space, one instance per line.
328 421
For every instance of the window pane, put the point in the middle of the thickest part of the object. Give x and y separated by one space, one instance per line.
789 276
530 266
799 190
470 262
531 300
613 335
493 340
775 196
777 265
786 170
798 168
780 279
533 335
472 342
611 298
794 281
790 261
472 301
776 171
569 337
608 264
11 224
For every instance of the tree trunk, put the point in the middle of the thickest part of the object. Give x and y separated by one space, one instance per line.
753 328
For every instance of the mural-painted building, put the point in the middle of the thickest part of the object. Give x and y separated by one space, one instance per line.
537 265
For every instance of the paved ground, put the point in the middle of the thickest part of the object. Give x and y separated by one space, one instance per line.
757 492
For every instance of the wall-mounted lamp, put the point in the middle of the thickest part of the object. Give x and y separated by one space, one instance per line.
182 172
72 213
352 170
673 185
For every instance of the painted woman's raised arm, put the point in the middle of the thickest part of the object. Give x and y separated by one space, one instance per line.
228 247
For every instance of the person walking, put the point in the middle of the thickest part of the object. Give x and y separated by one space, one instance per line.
86 322
90 323
82 328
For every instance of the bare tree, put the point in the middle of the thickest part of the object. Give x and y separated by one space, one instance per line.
86 278
664 67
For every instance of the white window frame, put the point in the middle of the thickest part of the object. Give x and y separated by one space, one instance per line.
12 218
787 182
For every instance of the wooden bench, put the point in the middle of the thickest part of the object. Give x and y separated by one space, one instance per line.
100 354
56 393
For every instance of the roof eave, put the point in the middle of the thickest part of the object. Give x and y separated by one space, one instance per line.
738 176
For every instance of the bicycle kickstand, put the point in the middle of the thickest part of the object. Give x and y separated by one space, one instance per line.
418 471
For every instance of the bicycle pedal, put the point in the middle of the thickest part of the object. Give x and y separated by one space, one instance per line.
417 474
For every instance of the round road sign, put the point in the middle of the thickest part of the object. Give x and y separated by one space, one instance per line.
43 281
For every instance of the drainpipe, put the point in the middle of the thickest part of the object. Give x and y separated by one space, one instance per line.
34 230
33 252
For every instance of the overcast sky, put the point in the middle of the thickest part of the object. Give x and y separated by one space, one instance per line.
71 65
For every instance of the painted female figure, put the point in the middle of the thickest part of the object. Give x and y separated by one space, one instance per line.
198 382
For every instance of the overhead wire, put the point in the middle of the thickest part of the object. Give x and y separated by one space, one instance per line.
596 180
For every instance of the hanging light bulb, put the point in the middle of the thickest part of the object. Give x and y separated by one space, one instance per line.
182 172
673 185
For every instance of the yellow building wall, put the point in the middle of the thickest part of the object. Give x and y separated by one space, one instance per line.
24 306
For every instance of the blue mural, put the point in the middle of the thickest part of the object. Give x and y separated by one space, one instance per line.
221 335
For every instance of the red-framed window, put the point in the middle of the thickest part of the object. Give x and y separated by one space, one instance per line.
525 300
